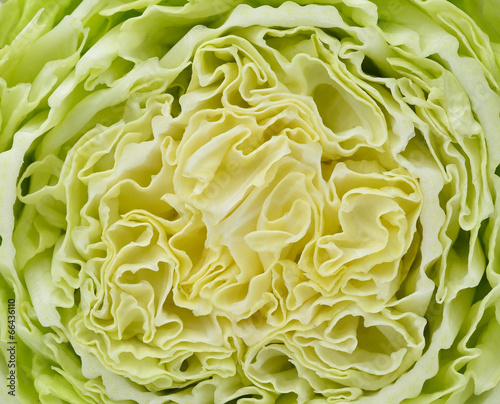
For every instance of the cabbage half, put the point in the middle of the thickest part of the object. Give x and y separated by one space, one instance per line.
250 202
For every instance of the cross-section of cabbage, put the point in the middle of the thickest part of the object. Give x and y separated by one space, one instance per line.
265 212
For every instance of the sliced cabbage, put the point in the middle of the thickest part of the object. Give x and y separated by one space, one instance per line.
251 202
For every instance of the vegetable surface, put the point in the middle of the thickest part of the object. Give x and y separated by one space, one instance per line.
250 201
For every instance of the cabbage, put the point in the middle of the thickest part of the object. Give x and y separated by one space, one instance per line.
250 201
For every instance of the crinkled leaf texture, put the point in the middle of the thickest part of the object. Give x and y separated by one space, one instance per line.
250 202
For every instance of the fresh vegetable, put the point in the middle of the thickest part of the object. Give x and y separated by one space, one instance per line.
250 201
